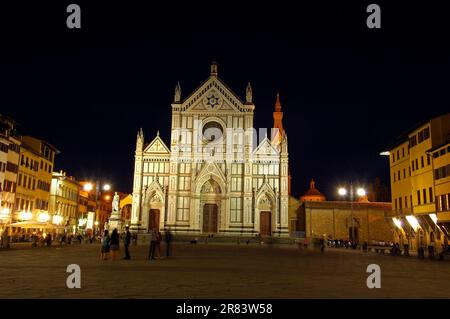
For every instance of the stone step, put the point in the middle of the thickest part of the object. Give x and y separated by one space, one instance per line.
200 238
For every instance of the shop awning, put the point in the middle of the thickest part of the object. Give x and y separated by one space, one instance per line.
33 224
409 231
445 227
421 219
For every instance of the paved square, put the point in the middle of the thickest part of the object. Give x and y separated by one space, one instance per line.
219 271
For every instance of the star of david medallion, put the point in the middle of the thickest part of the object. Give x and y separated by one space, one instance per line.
213 101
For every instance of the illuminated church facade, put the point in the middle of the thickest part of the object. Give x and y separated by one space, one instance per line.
219 176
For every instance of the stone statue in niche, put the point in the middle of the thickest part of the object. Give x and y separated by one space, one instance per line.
156 199
210 187
264 201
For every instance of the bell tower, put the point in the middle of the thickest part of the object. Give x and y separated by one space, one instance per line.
277 131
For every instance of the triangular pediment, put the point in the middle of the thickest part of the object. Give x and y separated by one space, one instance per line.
213 95
265 148
211 168
157 146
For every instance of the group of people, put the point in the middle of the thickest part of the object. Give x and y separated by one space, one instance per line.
340 243
111 244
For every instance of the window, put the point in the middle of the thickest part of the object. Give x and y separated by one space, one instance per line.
236 209
24 181
418 198
400 203
430 192
183 208
236 184
398 154
417 163
11 167
4 148
395 177
428 159
424 195
421 161
412 141
396 206
398 175
404 173
412 164
184 183
406 202
442 172
403 152
19 180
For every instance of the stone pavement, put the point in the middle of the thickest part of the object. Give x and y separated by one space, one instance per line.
218 271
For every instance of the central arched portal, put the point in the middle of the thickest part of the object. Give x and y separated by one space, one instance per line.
210 198
210 220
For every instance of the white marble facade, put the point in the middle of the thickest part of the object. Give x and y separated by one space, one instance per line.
219 174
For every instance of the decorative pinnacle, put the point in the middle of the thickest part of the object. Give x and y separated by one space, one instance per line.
214 68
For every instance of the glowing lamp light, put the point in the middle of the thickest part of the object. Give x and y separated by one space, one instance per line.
88 187
107 197
57 219
82 222
4 213
433 218
413 222
26 215
106 187
361 192
342 191
386 153
397 222
43 217
96 223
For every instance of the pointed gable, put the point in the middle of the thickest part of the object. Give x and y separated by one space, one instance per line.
157 146
265 148
215 90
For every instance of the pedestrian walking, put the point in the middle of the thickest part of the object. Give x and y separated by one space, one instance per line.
158 244
48 240
5 239
105 245
114 244
168 238
126 242
151 252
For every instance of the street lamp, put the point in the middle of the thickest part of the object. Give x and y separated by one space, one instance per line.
361 192
89 186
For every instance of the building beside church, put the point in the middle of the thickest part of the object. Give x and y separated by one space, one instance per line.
218 175
420 184
313 217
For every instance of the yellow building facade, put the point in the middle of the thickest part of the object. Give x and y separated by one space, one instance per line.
441 166
413 184
63 203
34 180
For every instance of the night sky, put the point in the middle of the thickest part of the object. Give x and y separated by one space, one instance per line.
347 91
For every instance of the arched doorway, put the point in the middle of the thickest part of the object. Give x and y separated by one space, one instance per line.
210 212
210 197
265 216
153 219
265 223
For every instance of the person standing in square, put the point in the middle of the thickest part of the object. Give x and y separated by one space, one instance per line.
127 241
